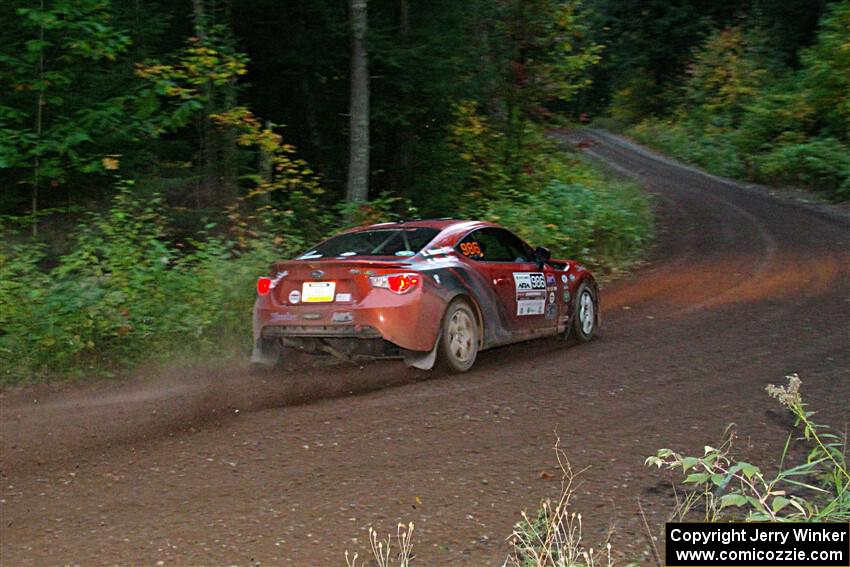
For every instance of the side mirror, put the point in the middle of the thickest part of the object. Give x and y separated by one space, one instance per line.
541 256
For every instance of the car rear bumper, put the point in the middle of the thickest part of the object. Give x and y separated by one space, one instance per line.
409 321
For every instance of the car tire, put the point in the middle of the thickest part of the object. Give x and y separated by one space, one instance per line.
459 338
585 313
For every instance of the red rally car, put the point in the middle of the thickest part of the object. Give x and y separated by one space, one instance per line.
427 291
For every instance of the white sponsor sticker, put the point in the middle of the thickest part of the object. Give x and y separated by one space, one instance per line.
343 297
563 278
530 307
530 293
551 297
294 296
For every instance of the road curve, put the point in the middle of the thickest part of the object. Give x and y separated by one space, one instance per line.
211 466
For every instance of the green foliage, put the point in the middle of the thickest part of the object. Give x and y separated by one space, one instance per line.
123 291
187 83
819 163
816 490
710 147
724 76
742 113
556 200
827 71
603 222
49 120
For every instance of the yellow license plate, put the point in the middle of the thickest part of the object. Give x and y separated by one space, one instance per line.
318 292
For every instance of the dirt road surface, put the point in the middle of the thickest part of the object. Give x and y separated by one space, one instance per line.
212 466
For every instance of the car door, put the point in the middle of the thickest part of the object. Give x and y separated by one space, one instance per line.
508 265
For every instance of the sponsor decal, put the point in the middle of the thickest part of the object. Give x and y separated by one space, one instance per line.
278 277
551 297
283 317
566 296
564 277
551 311
550 279
343 297
528 281
317 274
530 307
437 251
294 296
572 277
530 293
312 316
342 317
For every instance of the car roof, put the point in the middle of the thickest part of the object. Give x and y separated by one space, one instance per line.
439 224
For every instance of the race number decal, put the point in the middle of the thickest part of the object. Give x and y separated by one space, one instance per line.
471 249
530 293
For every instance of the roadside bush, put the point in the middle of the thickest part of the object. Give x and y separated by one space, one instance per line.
817 490
124 291
822 164
549 196
602 224
739 115
712 147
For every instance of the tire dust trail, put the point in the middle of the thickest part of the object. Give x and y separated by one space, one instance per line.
741 289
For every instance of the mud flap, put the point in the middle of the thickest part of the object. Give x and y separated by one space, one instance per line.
266 352
423 360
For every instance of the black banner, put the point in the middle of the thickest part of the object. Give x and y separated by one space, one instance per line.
758 544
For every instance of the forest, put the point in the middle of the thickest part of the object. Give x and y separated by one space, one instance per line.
156 156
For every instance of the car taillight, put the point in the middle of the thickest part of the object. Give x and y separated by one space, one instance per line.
264 285
397 283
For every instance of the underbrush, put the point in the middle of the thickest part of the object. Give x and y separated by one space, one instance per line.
819 164
125 291
549 195
712 149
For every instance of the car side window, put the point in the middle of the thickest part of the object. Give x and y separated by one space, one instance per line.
492 245
483 246
519 250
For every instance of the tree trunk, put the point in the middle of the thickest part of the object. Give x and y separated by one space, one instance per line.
404 17
228 138
266 167
357 189
39 118
203 188
404 133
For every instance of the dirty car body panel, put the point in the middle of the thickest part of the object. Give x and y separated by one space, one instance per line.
381 291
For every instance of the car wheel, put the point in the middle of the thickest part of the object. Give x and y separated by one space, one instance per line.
585 313
459 338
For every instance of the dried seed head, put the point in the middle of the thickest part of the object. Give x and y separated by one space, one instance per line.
789 396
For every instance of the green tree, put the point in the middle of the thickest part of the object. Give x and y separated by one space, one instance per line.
49 121
724 76
827 71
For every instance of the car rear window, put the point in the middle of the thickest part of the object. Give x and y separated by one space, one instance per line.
399 242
